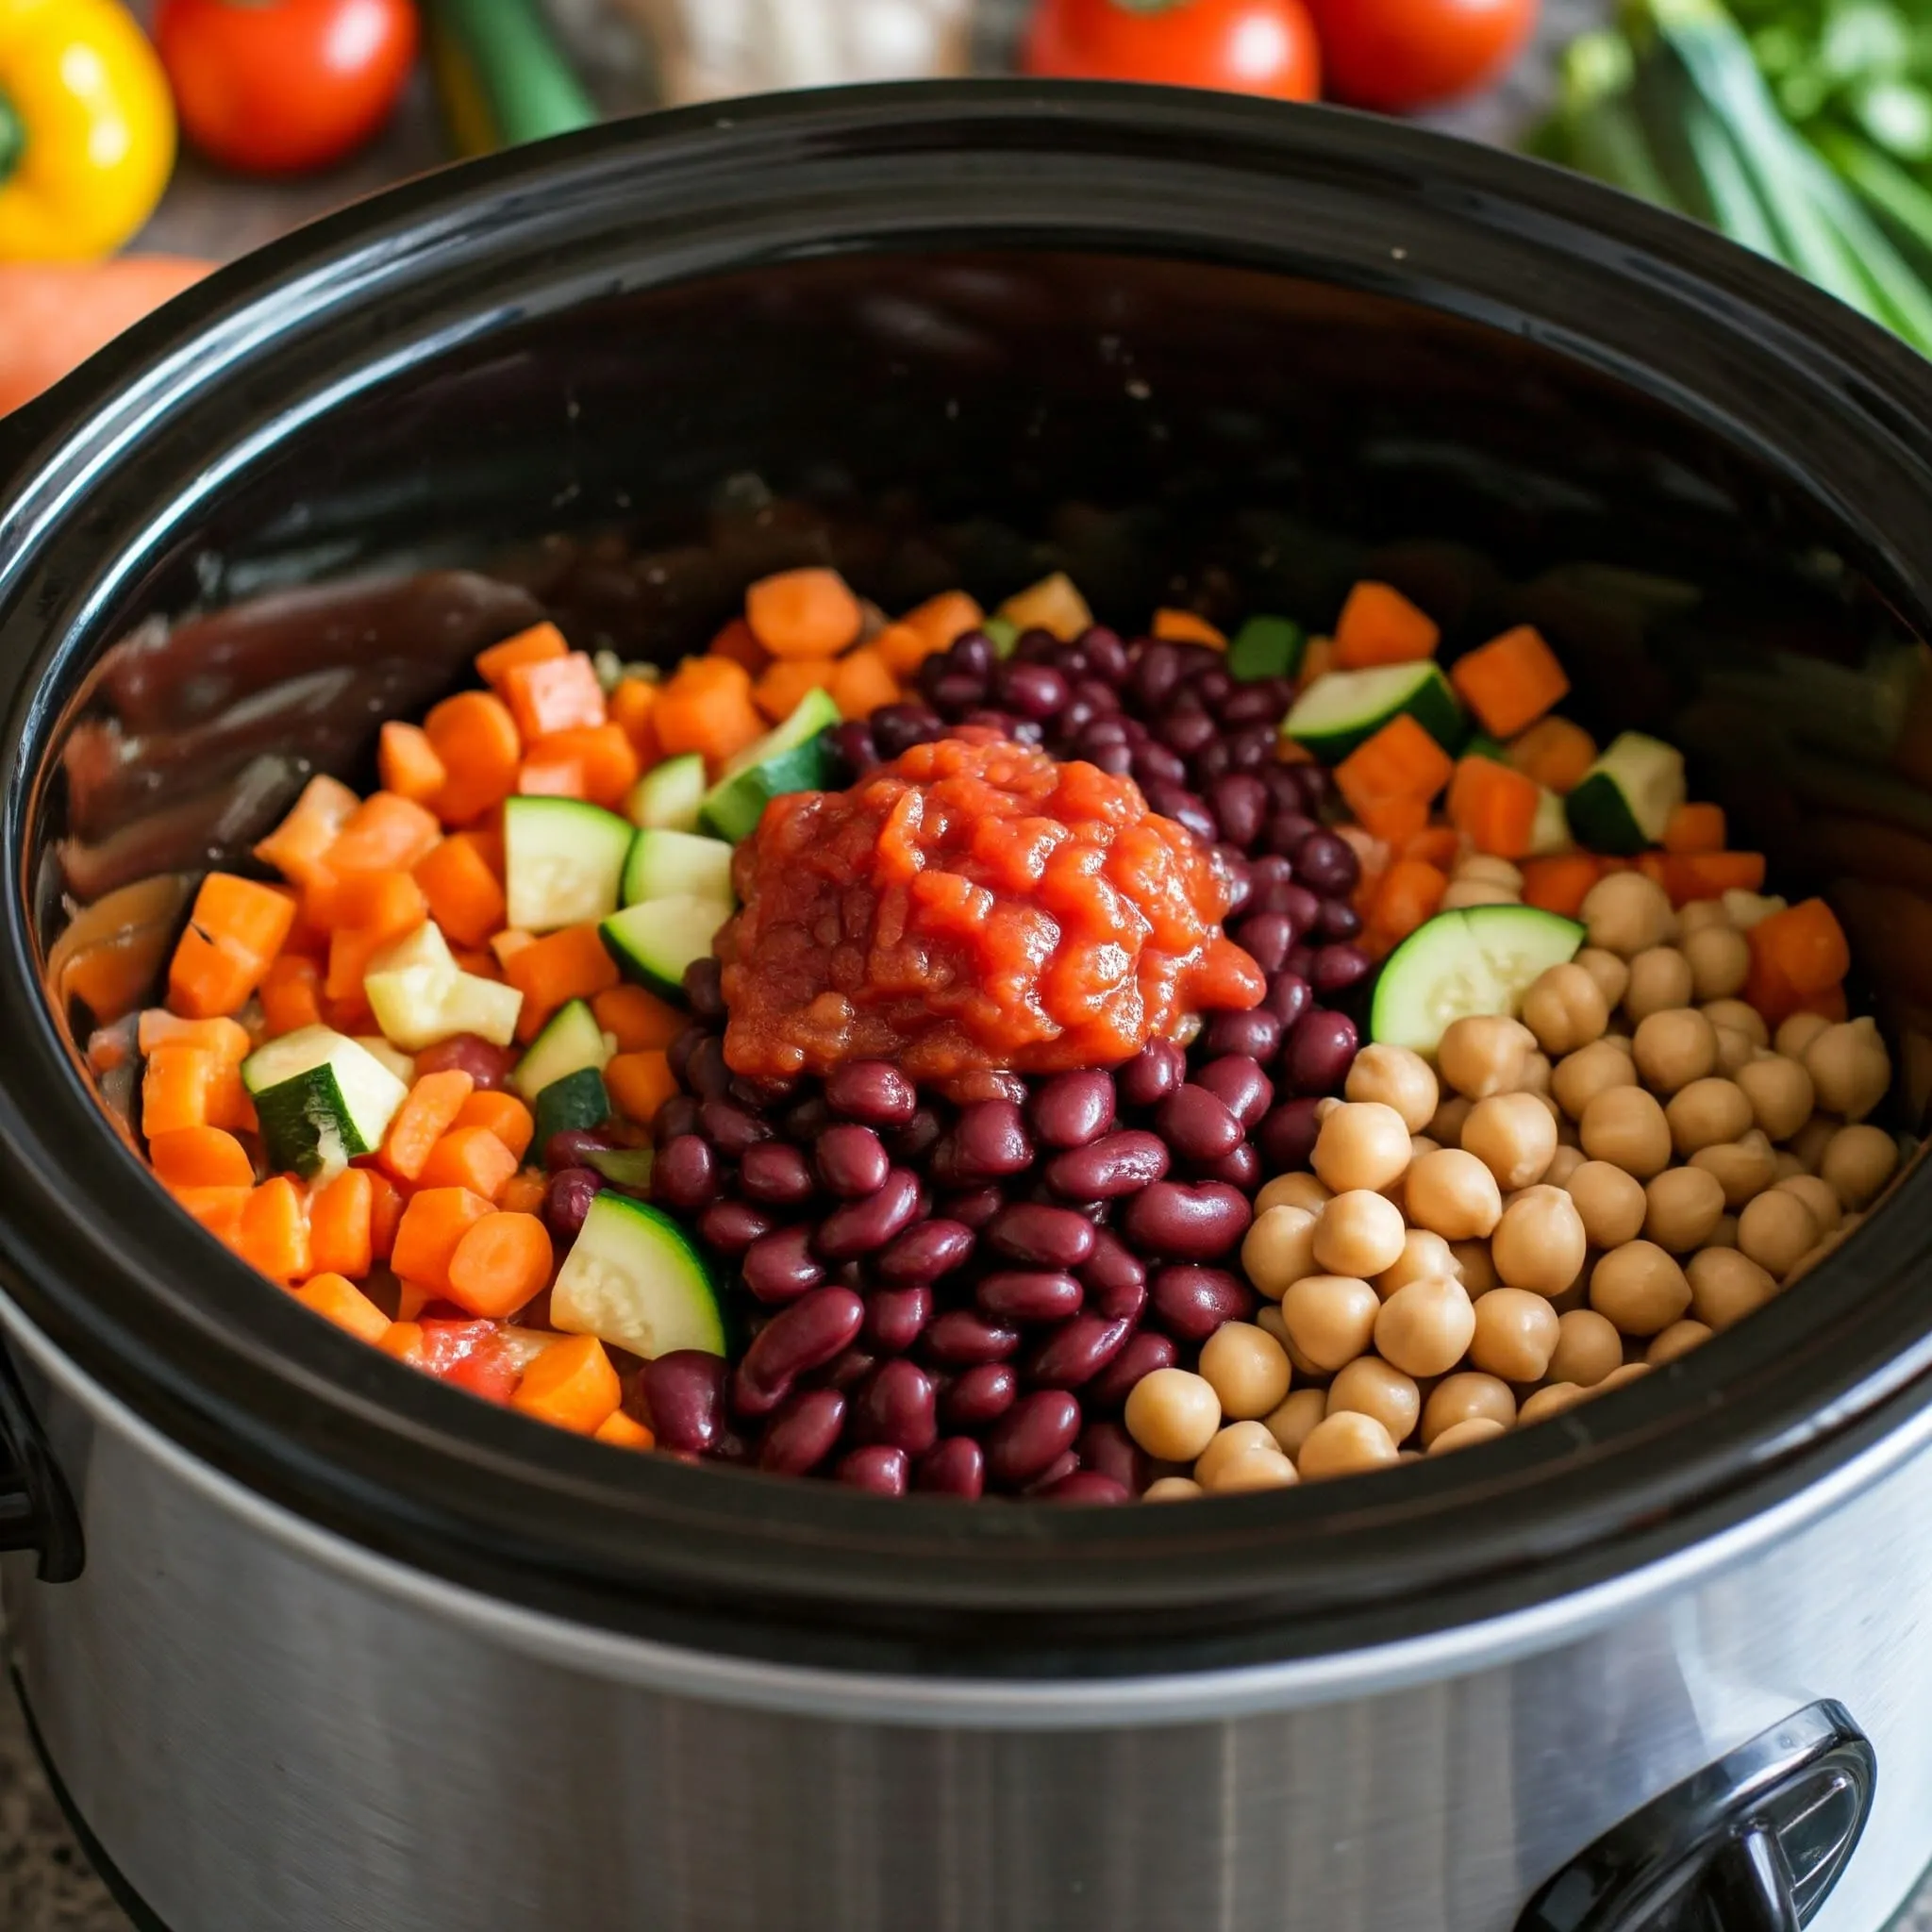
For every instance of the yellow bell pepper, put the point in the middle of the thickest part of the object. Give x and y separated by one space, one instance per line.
87 128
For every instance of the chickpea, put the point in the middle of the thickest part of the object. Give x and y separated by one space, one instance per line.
1673 1048
1292 1190
1486 865
1344 1444
1537 1072
1780 1094
1659 980
1785 1166
1698 915
1290 1423
1330 1318
1630 1372
1565 1008
1483 1055
1708 1113
1725 1286
1370 1387
1465 1396
1247 1370
1396 1077
1580 1076
1423 1253
1260 1469
1539 1243
1625 913
1477 1265
1740 1016
1627 1127
1466 893
1857 1163
1424 1328
1795 1035
1611 974
1679 1339
1467 1435
1279 1248
1358 1234
1326 1106
1549 1400
1743 1169
1683 1206
1172 1488
1734 1050
1746 909
1850 1067
1515 1335
1720 961
1172 1414
1361 1144
1588 1348
1817 1195
1724 1235
1453 1194
1228 1445
1618 1036
1611 1203
1563 1163
1445 1123
1513 1134
1640 1287
1808 1144
1304 1369
1775 1230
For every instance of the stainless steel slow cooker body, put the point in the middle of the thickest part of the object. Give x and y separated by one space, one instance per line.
338 1647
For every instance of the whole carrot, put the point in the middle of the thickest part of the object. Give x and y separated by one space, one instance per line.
58 313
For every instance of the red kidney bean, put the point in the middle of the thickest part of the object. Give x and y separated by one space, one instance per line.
897 728
704 988
980 1395
873 1092
862 1227
566 1200
1238 1082
1114 1276
1033 1435
776 1174
1338 920
1240 1169
1033 690
1177 802
1212 685
1265 937
986 1083
895 1318
705 1072
1028 1295
779 1267
804 1123
1152 1074
880 1471
1154 764
1157 668
896 1406
1186 1223
974 1209
1145 1352
1196 1124
1260 703
684 1176
1240 803
1282 790
1301 962
1287 832
973 651
953 691
1108 1450
1184 731
1213 761
1071 1110
1288 998
1338 968
1075 1351
759 1095
1191 1302
487 1064
1319 1052
683 1044
956 1467
1067 1463
849 1370
854 747
1239 882
1086 1485
684 1393
802 1433
961 1339
1045 1237
1106 656
926 1252
803 1337
1288 1135
1326 864
916 1139
1252 747
991 1141
1116 1164
852 1161
1301 908
677 1117
731 1129
1116 760
732 1227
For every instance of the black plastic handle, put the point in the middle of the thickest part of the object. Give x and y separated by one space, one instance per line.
36 1508
1752 1843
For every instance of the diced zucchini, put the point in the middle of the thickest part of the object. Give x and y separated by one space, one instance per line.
634 1279
402 1065
577 1100
1003 634
1266 647
1550 830
793 757
623 1167
1054 603
563 861
1341 710
321 1100
486 1008
654 942
1479 744
1623 802
668 796
1481 960
419 995
676 865
570 1041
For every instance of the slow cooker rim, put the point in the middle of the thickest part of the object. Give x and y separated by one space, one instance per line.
352 1391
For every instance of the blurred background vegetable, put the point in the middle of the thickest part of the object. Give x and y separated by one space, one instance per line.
1239 46
503 76
58 313
1398 55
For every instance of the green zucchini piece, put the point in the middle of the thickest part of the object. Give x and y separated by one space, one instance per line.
321 1100
1003 634
577 1100
1480 960
793 757
654 942
1344 708
570 1041
634 1279
419 995
563 861
676 865
668 796
1623 802
623 1167
1266 647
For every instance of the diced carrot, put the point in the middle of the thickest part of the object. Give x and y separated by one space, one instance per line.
350 950
1318 659
408 763
235 927
387 834
295 848
1807 946
508 943
501 1263
1411 894
573 1386
341 1224
1768 990
1830 1005
1379 626
433 1223
538 644
228 1104
218 1209
942 620
903 648
390 903
777 692
477 960
606 755
631 706
1561 882
1399 761
803 613
290 994
350 1014
864 682
1435 845
1493 807
1555 753
1394 821
486 835
554 694
1512 681
706 706
108 1047
1695 828
476 739
551 774
206 978
622 1432
1185 627
1053 605
428 1113
502 1114
523 1193
275 1230
403 1339
385 1213
571 964
464 896
342 1302
738 643
174 1089
200 1158
470 1157
226 1040
636 1019
639 1084
1688 875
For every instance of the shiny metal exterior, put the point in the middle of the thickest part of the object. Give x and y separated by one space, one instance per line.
270 1730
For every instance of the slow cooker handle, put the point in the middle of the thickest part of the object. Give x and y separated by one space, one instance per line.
36 1510
1752 1843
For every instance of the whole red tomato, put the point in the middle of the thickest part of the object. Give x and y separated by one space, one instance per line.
1401 54
1239 46
278 86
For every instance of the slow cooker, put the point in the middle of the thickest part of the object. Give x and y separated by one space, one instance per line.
309 1641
